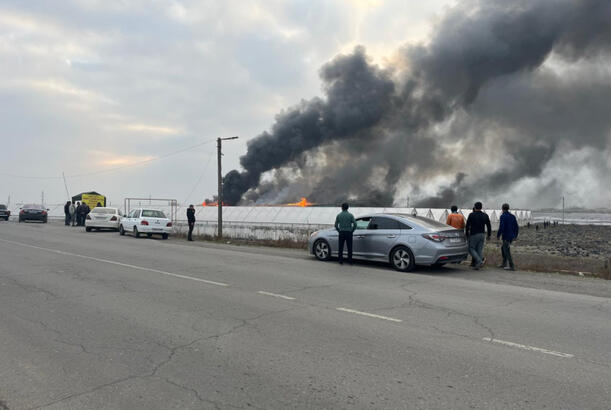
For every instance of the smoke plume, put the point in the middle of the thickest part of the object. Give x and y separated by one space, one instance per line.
501 90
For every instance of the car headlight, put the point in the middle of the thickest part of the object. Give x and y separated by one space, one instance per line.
313 234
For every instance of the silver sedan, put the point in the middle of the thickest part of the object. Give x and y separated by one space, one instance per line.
402 240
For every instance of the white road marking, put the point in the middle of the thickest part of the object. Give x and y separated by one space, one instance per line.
526 347
126 265
357 312
275 295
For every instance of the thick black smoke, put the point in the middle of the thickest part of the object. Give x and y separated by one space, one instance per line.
376 129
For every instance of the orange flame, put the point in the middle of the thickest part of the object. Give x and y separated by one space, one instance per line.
215 203
303 203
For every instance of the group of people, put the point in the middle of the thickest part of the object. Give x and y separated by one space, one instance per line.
76 213
477 229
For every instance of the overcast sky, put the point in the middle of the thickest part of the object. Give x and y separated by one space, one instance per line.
88 86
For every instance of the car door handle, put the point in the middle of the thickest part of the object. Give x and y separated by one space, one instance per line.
391 236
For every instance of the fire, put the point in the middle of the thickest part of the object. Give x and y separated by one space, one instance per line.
215 203
303 203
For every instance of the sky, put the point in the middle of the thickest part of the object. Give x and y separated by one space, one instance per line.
128 97
90 86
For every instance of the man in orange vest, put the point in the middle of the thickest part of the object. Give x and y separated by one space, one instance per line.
455 219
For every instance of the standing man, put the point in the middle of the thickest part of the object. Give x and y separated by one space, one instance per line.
85 210
191 220
477 223
455 219
345 224
72 211
508 229
79 213
67 213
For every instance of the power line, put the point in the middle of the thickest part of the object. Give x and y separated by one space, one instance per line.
200 177
85 174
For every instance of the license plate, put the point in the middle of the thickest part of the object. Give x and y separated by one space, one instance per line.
156 229
455 240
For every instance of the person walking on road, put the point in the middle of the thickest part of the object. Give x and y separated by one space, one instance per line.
345 224
455 219
191 220
508 231
72 211
67 213
477 223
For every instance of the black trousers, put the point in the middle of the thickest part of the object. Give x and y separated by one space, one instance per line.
190 235
345 237
506 252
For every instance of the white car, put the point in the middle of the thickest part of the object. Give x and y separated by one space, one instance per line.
146 221
102 218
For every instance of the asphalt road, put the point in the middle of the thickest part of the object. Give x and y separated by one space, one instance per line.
99 321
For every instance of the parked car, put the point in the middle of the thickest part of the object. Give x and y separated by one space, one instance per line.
146 221
404 241
33 212
4 212
103 218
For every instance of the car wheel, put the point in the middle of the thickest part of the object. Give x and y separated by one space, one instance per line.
136 233
20 220
121 230
44 221
149 235
88 229
402 259
164 236
322 250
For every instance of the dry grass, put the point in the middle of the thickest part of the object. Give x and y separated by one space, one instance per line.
287 244
551 263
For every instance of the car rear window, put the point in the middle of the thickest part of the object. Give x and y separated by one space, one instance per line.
105 211
32 206
2 206
152 214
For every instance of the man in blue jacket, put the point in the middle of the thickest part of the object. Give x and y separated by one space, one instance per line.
508 229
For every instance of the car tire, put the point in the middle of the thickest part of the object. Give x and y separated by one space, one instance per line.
402 259
322 250
149 235
136 233
87 229
44 221
121 230
164 236
20 220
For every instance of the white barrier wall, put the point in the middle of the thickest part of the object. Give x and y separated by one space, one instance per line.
296 223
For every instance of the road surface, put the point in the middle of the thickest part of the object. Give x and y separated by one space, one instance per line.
99 321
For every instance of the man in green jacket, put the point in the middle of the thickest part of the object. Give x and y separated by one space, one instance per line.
345 225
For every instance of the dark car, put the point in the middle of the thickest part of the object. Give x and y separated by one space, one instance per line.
4 212
32 212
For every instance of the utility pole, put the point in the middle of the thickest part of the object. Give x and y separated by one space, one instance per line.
219 201
66 186
42 198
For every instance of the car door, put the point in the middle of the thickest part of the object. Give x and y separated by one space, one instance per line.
381 235
359 235
128 225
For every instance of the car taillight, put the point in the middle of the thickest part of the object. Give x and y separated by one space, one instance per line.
114 218
169 224
435 237
44 212
21 212
88 217
144 223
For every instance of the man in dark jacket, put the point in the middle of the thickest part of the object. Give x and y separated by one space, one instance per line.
79 213
67 213
345 224
191 220
477 223
508 230
84 212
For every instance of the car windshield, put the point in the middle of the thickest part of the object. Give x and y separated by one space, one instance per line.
105 211
32 206
152 214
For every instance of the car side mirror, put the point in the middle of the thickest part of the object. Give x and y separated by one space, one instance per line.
124 216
